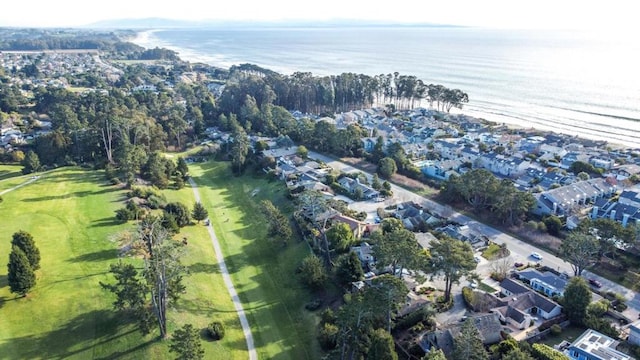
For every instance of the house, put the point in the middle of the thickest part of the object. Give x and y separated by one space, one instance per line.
625 171
358 227
440 170
520 304
447 149
365 253
592 345
545 282
563 200
353 185
488 326
634 333
369 143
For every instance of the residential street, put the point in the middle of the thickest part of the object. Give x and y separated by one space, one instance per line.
520 251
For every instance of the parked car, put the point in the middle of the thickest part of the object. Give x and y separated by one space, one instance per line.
518 264
536 256
595 283
477 259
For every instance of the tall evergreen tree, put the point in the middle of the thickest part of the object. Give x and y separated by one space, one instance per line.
467 345
25 242
182 167
382 346
21 277
349 269
576 299
186 343
199 212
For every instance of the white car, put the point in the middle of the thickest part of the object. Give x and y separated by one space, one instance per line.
536 256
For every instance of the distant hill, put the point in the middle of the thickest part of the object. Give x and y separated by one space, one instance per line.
159 23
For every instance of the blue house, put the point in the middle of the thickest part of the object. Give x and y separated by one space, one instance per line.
546 282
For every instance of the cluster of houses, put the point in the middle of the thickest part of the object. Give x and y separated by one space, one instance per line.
11 136
522 304
456 144
55 66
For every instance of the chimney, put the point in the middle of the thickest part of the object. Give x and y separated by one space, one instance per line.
555 208
594 212
612 215
625 219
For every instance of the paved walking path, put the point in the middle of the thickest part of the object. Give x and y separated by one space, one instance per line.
19 186
253 355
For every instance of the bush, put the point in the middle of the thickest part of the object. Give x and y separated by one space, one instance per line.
215 330
328 336
556 330
467 295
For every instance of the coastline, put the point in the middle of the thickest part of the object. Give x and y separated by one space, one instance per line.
626 136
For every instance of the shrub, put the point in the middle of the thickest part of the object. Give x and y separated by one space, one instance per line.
545 352
467 295
328 336
556 329
215 330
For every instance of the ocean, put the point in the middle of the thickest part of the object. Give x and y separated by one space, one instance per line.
570 82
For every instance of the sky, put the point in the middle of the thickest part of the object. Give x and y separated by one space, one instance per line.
612 15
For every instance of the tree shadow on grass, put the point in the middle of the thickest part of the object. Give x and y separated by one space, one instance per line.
3 281
102 255
203 268
81 334
106 222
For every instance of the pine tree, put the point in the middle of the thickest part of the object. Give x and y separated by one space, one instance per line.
186 343
199 212
24 241
467 345
182 168
21 277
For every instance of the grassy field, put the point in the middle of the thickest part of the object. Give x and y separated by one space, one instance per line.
263 273
9 171
70 213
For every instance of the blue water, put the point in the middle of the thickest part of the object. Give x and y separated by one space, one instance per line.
575 83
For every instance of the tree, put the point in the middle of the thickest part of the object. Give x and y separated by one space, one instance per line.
581 250
517 354
302 151
553 224
279 226
148 295
576 299
340 237
24 241
349 269
451 259
239 150
182 168
199 212
186 343
31 163
180 212
20 276
435 354
387 167
382 346
398 249
313 272
467 345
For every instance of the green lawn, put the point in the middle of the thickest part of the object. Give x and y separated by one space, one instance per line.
570 334
70 213
9 171
263 274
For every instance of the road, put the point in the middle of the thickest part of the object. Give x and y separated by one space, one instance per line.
246 329
520 250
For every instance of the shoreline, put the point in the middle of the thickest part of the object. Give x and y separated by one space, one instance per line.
621 137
